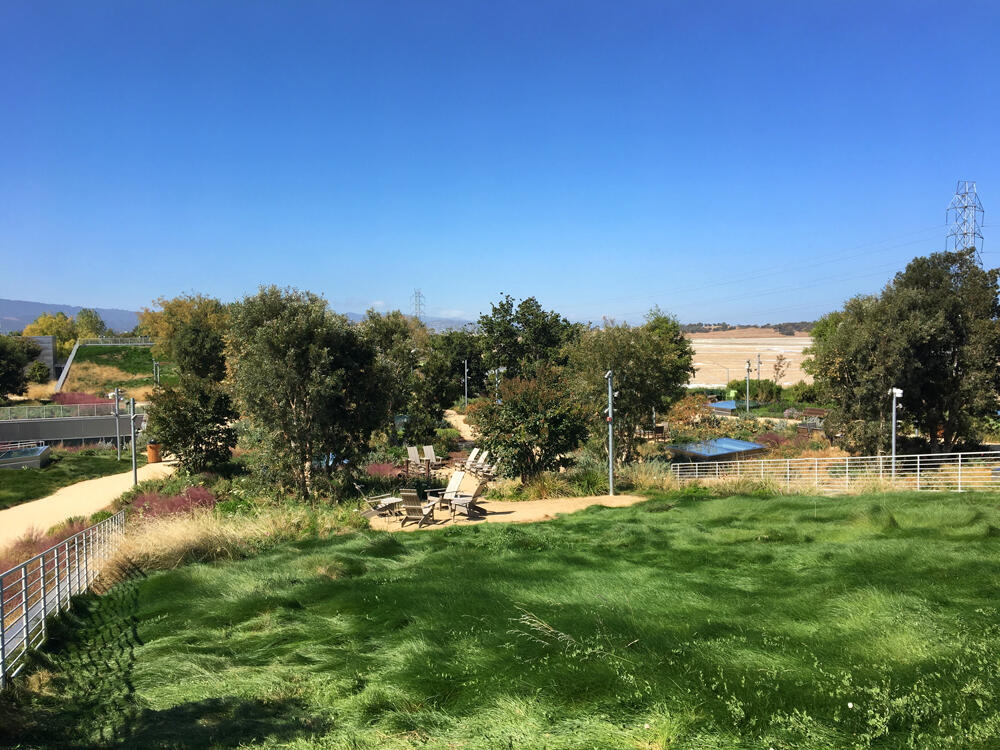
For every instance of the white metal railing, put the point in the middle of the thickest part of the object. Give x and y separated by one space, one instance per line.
18 444
929 471
60 411
117 341
45 585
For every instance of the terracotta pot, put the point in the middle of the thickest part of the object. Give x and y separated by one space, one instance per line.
153 453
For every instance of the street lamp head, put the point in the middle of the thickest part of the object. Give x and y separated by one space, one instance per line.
897 392
607 374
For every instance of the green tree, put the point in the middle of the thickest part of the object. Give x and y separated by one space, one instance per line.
89 324
164 324
16 353
518 338
650 363
38 372
199 350
536 423
444 365
310 382
933 332
194 421
59 325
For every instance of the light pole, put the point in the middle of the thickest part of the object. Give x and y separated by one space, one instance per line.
131 412
118 429
748 386
895 393
466 385
609 376
758 370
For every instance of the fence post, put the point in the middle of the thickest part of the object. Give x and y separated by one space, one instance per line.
76 559
3 641
45 598
959 472
847 472
817 471
24 603
788 473
58 583
918 471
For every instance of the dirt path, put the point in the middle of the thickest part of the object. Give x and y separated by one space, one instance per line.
457 421
526 511
80 499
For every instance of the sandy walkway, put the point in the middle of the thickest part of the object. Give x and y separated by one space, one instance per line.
80 499
519 512
457 421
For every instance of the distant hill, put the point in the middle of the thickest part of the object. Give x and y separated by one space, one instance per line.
784 329
16 314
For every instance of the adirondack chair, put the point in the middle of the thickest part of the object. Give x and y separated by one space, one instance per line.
432 460
413 457
471 460
480 466
415 510
466 498
378 505
444 497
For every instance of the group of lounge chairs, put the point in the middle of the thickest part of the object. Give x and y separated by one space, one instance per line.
460 496
464 488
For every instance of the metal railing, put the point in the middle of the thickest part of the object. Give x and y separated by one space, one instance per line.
58 411
117 341
18 444
45 584
929 471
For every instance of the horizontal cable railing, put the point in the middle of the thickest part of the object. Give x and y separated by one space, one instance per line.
930 471
59 411
45 584
117 341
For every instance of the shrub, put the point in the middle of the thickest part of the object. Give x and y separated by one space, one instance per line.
75 397
38 372
152 504
447 440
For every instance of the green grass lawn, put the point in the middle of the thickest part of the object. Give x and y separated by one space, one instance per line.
21 485
134 360
787 622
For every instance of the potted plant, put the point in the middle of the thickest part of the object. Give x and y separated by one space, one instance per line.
152 448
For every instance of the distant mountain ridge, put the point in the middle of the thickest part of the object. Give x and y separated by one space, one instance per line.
16 314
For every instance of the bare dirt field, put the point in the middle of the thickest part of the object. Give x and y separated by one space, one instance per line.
721 356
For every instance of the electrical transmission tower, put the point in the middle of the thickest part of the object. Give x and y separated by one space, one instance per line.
418 304
963 218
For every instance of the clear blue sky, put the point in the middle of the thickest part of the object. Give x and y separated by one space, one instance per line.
741 161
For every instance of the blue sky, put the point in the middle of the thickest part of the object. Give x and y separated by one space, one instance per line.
731 161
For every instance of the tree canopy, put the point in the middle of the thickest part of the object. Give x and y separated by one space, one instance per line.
516 338
59 325
16 353
934 332
308 380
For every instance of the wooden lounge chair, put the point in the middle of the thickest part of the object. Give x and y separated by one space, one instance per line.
444 497
413 457
480 466
415 510
465 500
471 460
378 505
432 460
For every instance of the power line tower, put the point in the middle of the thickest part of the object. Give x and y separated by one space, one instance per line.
963 219
418 304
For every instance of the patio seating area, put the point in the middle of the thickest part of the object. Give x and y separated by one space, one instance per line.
460 497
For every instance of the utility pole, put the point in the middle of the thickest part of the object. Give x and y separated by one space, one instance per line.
611 432
758 374
748 386
466 384
135 469
895 393
962 218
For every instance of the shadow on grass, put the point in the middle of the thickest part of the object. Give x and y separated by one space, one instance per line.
79 692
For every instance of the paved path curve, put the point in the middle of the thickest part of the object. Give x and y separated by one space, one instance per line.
80 499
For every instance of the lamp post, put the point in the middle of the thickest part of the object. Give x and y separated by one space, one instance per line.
895 393
609 376
758 371
131 412
748 386
466 384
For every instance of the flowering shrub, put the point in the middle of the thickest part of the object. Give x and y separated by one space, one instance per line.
155 504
